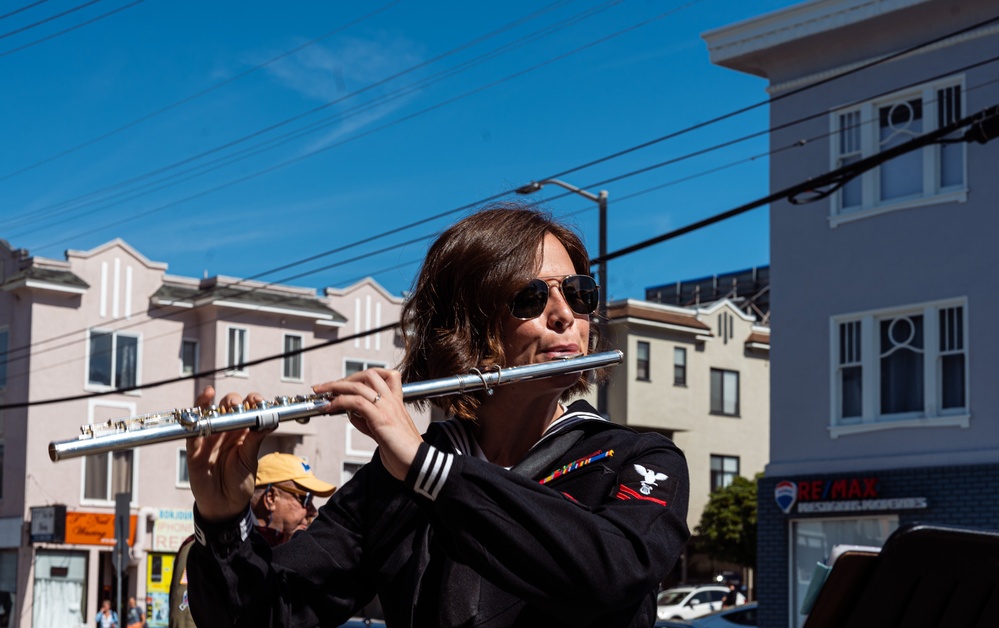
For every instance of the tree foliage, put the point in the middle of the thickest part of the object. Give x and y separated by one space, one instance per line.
728 525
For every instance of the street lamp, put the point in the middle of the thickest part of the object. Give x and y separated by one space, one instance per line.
601 200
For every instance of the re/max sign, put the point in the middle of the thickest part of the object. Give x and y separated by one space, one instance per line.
849 488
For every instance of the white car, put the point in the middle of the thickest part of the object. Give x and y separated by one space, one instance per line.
690 602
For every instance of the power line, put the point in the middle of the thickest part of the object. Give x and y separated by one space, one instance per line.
195 95
24 8
71 28
984 126
481 201
174 380
46 212
48 19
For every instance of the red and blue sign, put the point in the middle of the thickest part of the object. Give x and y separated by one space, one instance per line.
786 493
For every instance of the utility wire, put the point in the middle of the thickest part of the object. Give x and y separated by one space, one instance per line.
21 9
71 28
174 380
565 194
195 95
983 127
48 19
80 201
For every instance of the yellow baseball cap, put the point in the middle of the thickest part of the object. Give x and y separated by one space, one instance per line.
278 467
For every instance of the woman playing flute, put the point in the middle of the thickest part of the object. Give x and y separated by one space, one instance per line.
522 509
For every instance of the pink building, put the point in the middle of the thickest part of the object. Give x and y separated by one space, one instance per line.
110 319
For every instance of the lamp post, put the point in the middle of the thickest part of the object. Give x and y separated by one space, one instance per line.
601 200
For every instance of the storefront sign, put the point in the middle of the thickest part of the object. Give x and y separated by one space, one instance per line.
48 524
94 528
171 528
857 494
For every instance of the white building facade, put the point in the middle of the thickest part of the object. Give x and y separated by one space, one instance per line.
84 328
701 376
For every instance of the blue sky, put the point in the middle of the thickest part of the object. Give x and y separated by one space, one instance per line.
186 129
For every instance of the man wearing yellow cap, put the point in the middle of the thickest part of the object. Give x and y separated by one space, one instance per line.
282 503
282 497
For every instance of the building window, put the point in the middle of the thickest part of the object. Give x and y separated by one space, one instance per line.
812 541
724 469
896 365
236 351
1 468
933 172
114 359
679 366
292 364
4 349
356 366
106 475
642 366
724 392
188 357
183 476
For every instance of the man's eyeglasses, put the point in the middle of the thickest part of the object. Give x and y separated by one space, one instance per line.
305 499
580 292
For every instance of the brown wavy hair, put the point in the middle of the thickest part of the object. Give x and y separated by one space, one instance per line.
453 320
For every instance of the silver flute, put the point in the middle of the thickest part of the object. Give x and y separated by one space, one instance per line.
148 429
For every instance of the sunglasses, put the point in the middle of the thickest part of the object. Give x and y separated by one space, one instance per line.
305 499
581 292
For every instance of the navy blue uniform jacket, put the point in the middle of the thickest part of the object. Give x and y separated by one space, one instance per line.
578 533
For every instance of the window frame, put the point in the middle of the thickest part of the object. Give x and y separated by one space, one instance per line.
871 417
738 393
197 356
232 369
679 370
181 460
298 358
99 387
868 120
639 345
127 409
366 364
712 473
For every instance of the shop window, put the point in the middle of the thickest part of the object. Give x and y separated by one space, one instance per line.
724 392
896 366
724 470
8 588
643 366
113 360
931 174
812 541
237 350
292 364
60 589
106 475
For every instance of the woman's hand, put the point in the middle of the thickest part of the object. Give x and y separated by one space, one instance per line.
223 467
373 402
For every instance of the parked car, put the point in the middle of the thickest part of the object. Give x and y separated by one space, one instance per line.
691 601
742 615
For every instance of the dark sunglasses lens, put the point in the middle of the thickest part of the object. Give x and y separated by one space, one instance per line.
581 293
306 500
530 302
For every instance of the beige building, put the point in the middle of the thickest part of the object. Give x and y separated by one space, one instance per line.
700 375
86 329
